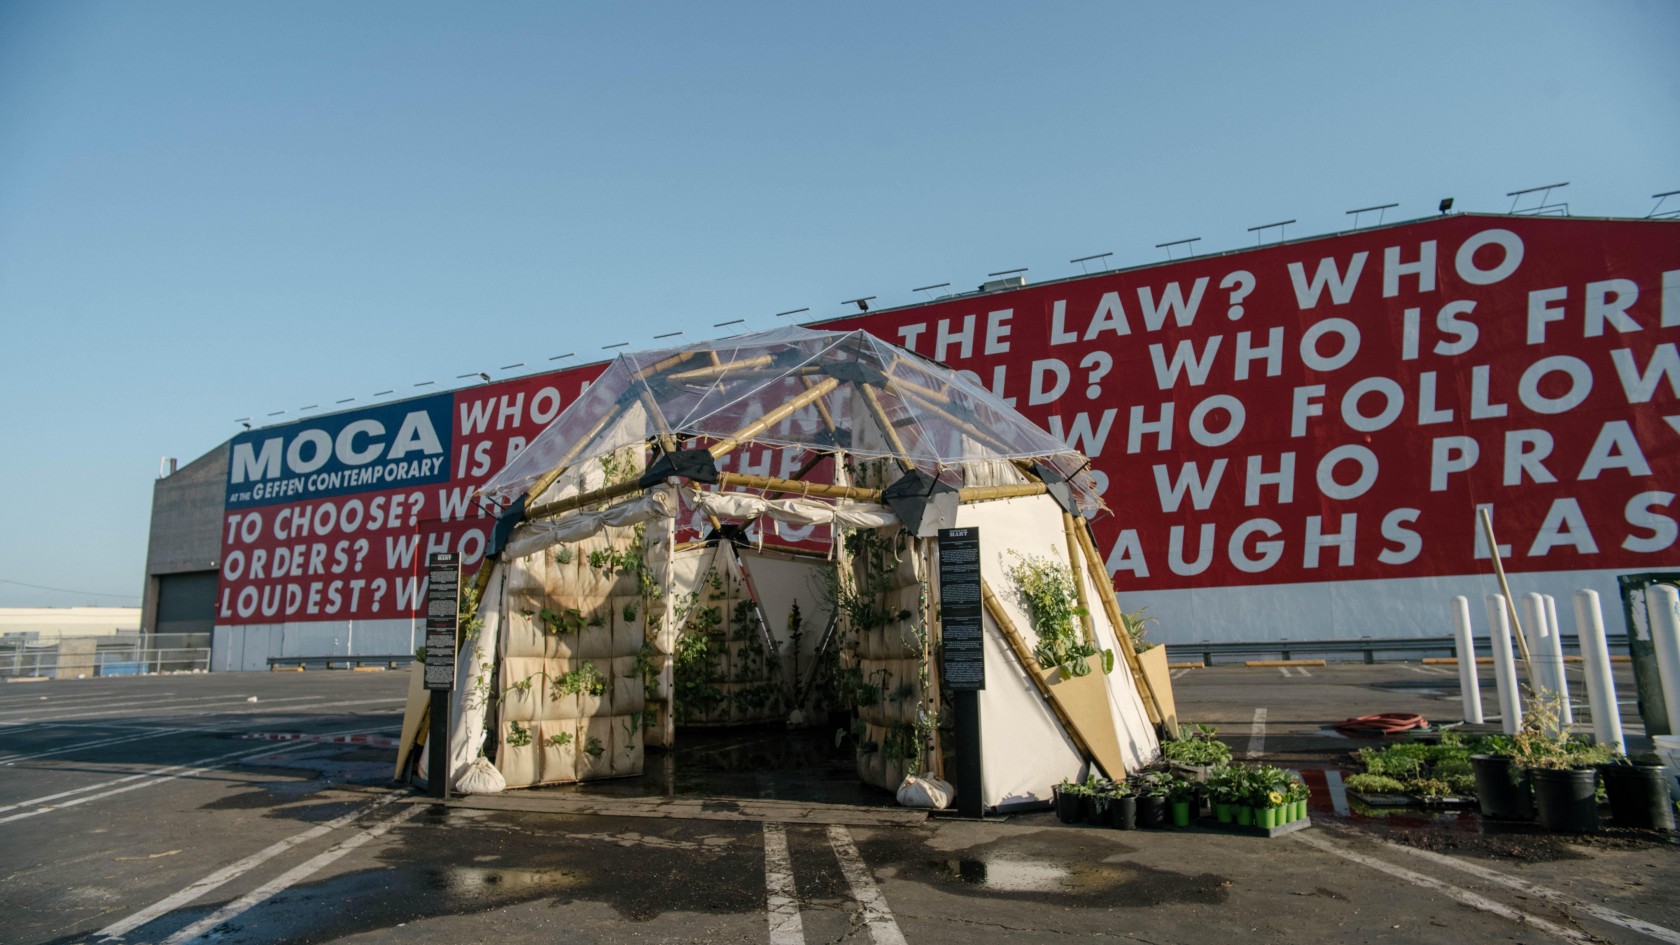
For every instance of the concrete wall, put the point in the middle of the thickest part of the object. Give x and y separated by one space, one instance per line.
186 532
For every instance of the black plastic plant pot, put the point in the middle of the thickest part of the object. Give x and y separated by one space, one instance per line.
1096 812
1501 795
1122 813
1566 798
1069 810
1638 796
1151 811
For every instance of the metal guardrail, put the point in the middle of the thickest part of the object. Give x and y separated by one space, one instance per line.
35 662
1367 649
330 662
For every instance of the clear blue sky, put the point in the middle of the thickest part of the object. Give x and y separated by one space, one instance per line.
212 210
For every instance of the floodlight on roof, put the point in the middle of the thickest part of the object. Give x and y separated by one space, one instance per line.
425 383
383 393
862 304
1659 198
610 347
509 367
791 311
1085 259
1260 231
344 401
1446 205
566 355
669 334
1189 241
1006 272
1379 208
736 321
1541 206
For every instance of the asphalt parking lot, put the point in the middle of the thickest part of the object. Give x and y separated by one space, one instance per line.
258 808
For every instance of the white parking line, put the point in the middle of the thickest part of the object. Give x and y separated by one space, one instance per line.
1257 734
1551 895
876 916
164 709
1338 791
1466 897
782 903
1179 672
290 878
97 743
116 930
157 775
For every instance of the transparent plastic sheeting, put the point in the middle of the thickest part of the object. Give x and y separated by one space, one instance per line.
705 393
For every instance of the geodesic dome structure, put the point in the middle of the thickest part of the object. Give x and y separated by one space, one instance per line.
644 574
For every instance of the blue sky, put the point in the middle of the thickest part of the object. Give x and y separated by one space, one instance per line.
210 211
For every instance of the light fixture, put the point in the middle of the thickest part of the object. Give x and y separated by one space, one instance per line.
862 304
791 311
1446 205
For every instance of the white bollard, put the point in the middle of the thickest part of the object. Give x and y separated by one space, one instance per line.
1662 612
1595 660
1554 658
1504 665
1533 610
1468 684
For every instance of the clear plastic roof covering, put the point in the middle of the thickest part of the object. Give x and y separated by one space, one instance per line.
820 392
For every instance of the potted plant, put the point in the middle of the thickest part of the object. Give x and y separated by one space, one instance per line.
1196 751
1638 793
1502 787
1224 786
1070 800
1265 793
1153 788
1097 794
1565 782
1181 791
1295 797
1122 805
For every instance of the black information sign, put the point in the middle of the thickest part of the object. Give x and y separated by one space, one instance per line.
442 595
964 663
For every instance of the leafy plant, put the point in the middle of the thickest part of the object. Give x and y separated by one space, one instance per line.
563 554
1137 628
1196 746
1045 590
518 735
560 739
593 747
586 679
1367 783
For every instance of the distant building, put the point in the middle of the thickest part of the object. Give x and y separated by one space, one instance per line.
55 623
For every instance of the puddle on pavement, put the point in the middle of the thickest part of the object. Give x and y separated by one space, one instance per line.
1008 875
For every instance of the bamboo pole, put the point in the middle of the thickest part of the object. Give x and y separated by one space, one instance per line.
667 364
918 395
887 429
822 408
725 446
1073 553
1034 670
1505 588
715 371
988 493
821 490
1111 607
603 494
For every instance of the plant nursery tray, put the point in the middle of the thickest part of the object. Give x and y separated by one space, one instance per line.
1293 826
1412 800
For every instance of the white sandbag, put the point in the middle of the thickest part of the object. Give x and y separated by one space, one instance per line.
481 777
925 792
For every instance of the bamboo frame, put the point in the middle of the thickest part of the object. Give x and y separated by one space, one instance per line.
1035 671
1151 704
918 394
1069 528
715 371
571 502
725 446
887 429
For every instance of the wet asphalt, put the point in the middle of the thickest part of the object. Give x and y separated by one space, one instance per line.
175 809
